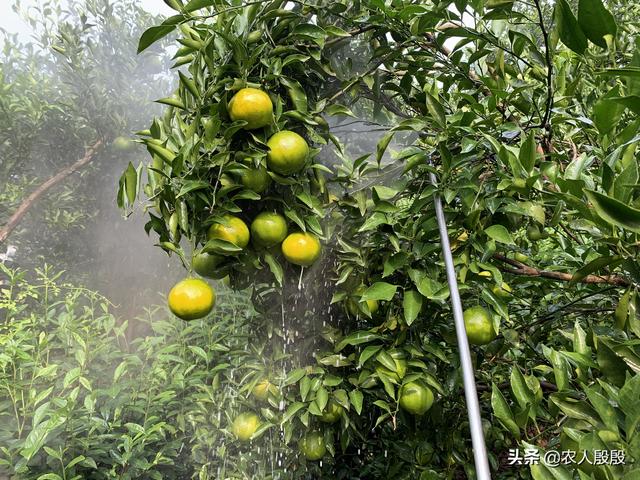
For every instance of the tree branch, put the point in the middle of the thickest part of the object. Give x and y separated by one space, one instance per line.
28 202
545 123
523 269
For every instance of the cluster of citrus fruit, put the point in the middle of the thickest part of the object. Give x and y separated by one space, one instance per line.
312 444
287 154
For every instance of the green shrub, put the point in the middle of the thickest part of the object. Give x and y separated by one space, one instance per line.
78 401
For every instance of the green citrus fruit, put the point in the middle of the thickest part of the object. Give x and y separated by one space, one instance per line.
191 299
261 389
122 144
353 303
312 446
256 179
521 257
415 398
479 325
268 229
254 36
332 412
502 291
206 264
288 152
245 425
550 170
301 248
533 233
234 230
253 106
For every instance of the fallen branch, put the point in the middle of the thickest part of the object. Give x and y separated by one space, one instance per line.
28 202
523 269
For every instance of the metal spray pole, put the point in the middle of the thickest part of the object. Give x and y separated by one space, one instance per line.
471 396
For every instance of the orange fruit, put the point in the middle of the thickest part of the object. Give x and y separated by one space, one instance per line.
191 299
479 325
301 249
288 152
234 230
245 425
415 398
312 446
268 229
253 106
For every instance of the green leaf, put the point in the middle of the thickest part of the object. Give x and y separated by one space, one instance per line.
628 400
274 266
191 185
524 396
153 34
411 304
367 353
614 211
291 411
382 145
436 110
604 409
527 155
596 265
131 183
577 410
502 411
632 72
596 21
356 397
322 397
379 291
296 93
194 5
568 28
294 376
500 234
357 338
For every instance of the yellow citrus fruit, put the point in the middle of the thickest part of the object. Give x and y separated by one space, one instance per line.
415 398
206 264
288 152
256 179
268 229
261 389
479 325
191 299
253 106
312 446
332 412
245 425
301 248
234 230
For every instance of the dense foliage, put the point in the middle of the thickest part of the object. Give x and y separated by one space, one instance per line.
527 115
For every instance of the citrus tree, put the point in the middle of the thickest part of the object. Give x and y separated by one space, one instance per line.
526 116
